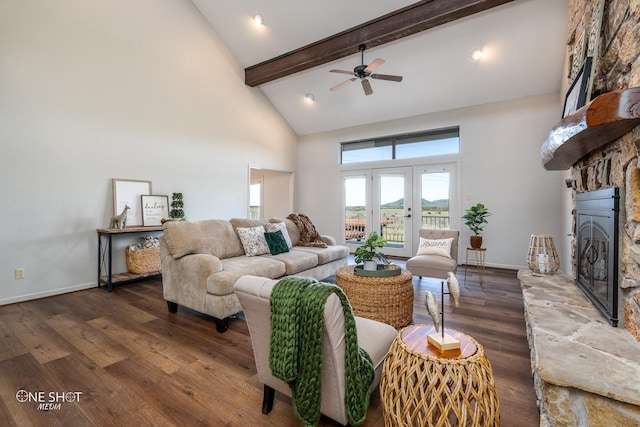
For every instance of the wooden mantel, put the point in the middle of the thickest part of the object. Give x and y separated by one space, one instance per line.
605 119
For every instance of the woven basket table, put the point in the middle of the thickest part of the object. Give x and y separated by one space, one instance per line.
421 386
385 299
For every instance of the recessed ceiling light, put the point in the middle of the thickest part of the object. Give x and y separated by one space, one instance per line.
477 54
258 19
309 97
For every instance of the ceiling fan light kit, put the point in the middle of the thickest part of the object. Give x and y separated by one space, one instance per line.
364 72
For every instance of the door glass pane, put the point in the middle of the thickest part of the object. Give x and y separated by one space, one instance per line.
255 196
392 208
435 200
354 211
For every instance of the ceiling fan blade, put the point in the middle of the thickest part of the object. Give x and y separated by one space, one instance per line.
341 72
374 64
343 84
367 87
386 77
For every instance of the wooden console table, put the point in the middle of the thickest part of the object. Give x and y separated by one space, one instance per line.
421 386
105 256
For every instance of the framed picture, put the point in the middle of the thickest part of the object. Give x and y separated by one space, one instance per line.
154 208
127 192
577 93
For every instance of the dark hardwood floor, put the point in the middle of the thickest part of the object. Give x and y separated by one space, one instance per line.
120 359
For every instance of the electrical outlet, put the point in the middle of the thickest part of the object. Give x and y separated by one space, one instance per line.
19 273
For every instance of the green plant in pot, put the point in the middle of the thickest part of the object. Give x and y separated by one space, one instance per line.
368 251
475 218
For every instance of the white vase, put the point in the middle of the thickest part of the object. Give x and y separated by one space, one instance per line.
370 266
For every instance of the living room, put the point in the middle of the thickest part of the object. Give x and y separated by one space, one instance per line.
83 103
148 90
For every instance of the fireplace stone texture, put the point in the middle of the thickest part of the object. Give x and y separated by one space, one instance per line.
586 372
616 164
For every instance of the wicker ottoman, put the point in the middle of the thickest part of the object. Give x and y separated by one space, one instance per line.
385 299
422 387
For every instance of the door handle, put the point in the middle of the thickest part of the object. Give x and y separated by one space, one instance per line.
408 216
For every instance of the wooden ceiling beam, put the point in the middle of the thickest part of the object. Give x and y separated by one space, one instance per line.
401 23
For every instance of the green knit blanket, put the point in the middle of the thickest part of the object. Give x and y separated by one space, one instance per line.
297 306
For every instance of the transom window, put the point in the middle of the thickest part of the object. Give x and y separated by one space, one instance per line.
405 146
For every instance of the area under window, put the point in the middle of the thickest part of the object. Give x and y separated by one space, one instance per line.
405 146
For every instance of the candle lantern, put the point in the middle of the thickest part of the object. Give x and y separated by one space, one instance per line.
542 257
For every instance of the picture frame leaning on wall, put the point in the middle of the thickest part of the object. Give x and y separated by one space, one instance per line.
577 94
127 192
154 209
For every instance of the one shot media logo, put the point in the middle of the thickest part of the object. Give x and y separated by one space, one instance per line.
48 401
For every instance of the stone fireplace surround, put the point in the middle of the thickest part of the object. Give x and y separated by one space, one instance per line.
587 373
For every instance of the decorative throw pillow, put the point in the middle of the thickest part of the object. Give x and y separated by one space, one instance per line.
272 227
440 247
276 242
253 240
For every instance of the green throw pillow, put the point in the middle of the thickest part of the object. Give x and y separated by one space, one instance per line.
276 242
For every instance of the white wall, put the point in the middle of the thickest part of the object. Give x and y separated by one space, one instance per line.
91 91
500 167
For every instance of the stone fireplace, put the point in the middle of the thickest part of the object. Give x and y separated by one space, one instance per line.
587 371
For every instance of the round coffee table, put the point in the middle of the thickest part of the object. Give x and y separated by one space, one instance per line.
386 299
422 386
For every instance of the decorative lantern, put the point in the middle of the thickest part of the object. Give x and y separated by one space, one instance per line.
542 257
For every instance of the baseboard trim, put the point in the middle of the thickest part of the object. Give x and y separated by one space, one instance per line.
47 293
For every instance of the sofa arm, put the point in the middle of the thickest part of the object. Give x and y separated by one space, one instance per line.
329 240
184 280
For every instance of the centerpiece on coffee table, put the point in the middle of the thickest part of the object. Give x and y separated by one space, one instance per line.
365 254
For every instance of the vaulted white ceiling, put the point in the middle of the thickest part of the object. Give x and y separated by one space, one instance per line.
524 40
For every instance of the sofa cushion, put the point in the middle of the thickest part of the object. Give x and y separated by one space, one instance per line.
253 240
282 227
246 222
325 255
213 236
221 283
276 242
292 229
296 261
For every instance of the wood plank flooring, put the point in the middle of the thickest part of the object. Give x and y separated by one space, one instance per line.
123 360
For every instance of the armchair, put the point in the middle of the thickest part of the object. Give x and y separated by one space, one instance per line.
374 337
431 262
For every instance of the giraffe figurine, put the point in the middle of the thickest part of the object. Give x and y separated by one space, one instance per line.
120 221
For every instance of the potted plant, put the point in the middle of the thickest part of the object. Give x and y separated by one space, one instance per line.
475 218
176 213
364 254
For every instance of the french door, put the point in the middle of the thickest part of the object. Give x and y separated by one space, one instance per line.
396 202
379 200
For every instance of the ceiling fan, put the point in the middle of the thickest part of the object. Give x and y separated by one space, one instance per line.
362 72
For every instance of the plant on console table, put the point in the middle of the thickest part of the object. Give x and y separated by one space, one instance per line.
368 251
176 213
475 218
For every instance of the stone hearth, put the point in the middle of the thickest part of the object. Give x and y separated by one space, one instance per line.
585 372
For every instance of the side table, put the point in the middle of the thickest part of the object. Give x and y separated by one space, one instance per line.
422 387
479 262
105 256
385 299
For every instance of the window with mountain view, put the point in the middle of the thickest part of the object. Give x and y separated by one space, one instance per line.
407 146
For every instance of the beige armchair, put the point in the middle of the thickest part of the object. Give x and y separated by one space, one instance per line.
430 262
374 337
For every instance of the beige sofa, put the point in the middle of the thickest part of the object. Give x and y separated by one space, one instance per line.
201 261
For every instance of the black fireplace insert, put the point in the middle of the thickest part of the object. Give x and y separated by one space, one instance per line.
597 249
